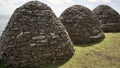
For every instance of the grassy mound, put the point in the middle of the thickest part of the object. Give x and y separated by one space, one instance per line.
105 54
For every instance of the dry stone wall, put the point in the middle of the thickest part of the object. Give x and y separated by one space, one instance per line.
34 37
109 19
81 24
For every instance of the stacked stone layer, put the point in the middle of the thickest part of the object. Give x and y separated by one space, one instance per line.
109 19
33 37
81 24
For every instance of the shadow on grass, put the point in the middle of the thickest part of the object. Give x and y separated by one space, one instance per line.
52 65
55 65
85 44
89 44
2 64
113 32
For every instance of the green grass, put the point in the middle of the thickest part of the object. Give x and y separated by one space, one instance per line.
105 54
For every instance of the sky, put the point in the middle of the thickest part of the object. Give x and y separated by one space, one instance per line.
7 7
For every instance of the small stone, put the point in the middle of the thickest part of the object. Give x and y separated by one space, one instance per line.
27 32
42 41
68 20
15 28
55 36
33 44
13 37
47 54
97 36
39 37
52 34
19 35
53 42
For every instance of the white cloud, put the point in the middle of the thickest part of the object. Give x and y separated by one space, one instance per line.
61 1
8 6
104 1
107 1
92 0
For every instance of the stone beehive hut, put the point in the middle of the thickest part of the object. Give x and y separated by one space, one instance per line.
81 25
109 19
33 37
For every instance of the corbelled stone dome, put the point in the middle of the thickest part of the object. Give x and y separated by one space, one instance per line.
109 19
81 24
34 37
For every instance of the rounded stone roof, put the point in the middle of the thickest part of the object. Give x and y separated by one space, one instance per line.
81 24
35 5
33 37
109 19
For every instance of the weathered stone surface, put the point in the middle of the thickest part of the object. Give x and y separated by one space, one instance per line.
34 36
109 19
81 25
